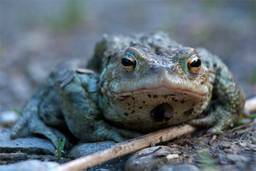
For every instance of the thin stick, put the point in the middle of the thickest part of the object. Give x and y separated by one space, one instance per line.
126 147
136 144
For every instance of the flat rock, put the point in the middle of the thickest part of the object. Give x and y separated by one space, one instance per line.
181 167
4 134
30 165
89 148
27 145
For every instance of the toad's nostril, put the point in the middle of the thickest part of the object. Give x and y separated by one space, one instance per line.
162 112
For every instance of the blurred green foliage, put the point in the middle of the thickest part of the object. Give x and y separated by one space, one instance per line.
72 15
18 111
212 4
252 116
60 148
252 78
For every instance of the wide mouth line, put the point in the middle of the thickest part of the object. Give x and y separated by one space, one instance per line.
165 89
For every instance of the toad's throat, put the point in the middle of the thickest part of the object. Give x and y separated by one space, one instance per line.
162 112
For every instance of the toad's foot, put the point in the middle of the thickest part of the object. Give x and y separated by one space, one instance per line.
219 119
30 124
34 126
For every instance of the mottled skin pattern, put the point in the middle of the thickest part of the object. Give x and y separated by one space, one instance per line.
145 82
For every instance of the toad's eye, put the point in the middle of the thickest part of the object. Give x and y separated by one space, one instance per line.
128 61
194 65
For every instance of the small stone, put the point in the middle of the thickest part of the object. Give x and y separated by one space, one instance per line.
89 148
150 158
5 134
253 140
27 145
235 158
182 167
172 156
8 118
30 165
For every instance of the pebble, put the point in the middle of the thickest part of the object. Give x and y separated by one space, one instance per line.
151 158
8 118
181 167
89 148
30 165
27 145
235 158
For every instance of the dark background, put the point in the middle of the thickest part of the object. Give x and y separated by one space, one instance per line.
35 35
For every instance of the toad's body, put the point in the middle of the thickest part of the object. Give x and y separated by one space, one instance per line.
145 82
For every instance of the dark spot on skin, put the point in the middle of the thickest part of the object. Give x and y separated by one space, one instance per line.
59 116
174 99
162 112
182 101
189 112
218 71
126 114
155 96
47 116
132 44
149 95
133 111
207 64
133 98
143 102
158 51
140 107
214 65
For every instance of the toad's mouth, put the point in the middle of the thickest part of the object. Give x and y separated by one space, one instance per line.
161 85
162 90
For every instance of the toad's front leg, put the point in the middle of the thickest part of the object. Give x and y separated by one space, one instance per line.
78 91
40 113
228 99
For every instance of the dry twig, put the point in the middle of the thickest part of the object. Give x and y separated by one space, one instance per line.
136 144
126 147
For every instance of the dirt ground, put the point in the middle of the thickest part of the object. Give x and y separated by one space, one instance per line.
234 150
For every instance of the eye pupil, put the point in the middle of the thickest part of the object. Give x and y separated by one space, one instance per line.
128 62
195 63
